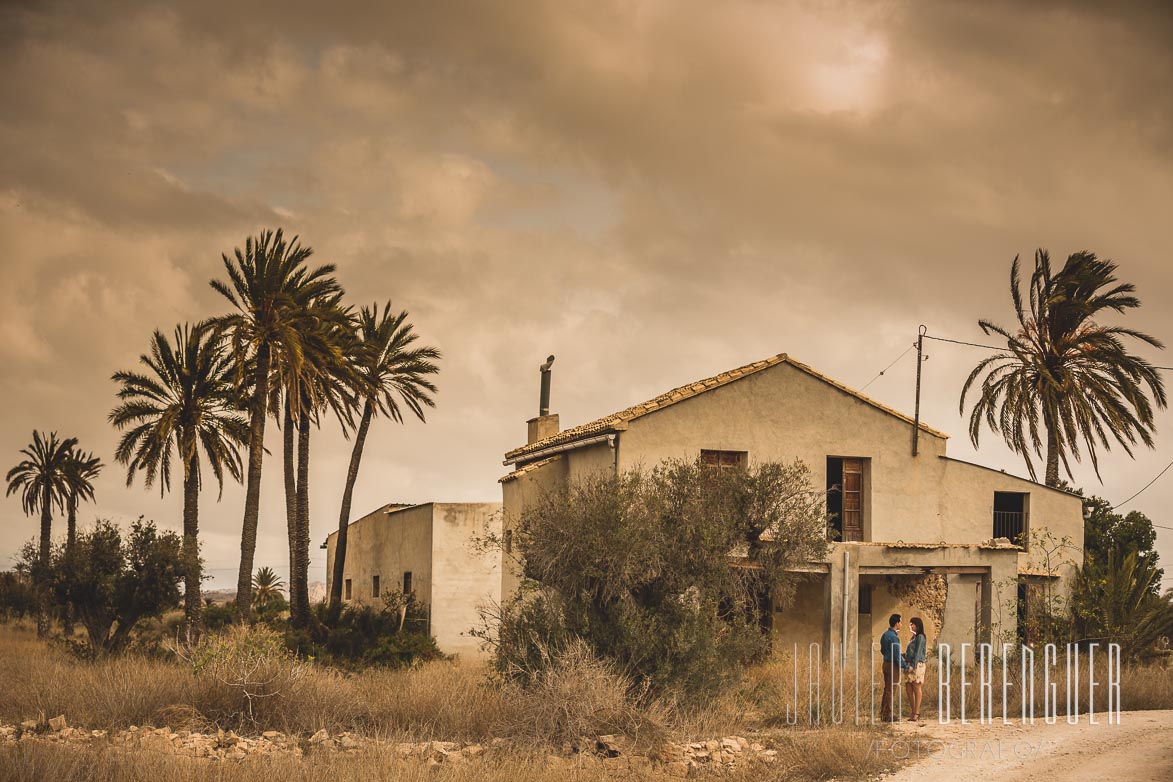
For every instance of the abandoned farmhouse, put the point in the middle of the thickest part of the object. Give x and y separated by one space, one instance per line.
915 532
919 534
430 551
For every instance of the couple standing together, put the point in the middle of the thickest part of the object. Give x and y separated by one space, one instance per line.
911 662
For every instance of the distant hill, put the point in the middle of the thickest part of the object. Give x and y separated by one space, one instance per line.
317 593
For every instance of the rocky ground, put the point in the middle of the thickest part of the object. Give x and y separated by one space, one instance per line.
609 753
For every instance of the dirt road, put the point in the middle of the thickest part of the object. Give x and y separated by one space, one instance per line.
1140 749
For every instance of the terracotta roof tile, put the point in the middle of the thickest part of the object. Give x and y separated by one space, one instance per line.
520 471
618 421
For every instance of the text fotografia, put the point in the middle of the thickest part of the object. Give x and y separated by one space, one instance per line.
975 685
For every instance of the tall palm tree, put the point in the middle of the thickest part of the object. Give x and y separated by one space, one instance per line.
42 480
396 375
183 404
1064 370
268 285
322 381
81 470
266 586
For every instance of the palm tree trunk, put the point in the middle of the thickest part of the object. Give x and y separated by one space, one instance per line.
299 578
1052 478
339 569
192 604
287 434
43 564
252 497
70 539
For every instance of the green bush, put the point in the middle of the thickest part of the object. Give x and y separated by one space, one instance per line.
18 599
366 636
665 574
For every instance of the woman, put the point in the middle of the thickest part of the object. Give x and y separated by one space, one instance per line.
914 661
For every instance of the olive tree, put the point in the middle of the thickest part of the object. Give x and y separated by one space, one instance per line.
667 572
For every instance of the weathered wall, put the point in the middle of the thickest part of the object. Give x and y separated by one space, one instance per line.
518 491
465 576
386 544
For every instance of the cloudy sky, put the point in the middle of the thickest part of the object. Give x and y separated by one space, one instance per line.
654 191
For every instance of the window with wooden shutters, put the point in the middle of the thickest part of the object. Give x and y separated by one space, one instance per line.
724 460
845 497
853 499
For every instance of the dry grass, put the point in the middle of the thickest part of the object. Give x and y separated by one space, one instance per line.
804 756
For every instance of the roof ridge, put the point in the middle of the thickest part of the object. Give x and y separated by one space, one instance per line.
612 422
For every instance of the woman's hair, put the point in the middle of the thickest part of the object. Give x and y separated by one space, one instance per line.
920 626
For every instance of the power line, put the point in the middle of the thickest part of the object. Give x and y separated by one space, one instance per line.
1150 483
885 369
959 342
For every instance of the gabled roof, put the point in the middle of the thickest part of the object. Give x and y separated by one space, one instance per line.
520 471
617 422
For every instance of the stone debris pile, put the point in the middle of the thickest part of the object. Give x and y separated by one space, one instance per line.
613 754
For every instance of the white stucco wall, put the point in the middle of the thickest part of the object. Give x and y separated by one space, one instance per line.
465 576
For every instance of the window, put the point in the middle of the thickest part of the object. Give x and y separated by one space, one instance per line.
724 459
374 586
407 582
865 599
845 496
1011 515
508 541
347 593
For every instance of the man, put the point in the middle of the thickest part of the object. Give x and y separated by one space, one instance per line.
893 663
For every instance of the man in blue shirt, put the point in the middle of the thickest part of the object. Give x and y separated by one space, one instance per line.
893 663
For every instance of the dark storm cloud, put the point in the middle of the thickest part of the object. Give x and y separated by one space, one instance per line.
654 191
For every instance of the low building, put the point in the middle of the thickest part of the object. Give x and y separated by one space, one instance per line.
433 551
915 531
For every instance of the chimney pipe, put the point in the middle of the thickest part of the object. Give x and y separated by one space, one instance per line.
544 402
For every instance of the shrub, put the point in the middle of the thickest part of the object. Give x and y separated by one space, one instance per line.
18 599
367 636
114 581
666 573
253 666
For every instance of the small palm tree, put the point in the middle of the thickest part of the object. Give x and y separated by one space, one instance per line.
266 586
1064 377
268 286
81 470
396 378
1120 604
42 480
185 403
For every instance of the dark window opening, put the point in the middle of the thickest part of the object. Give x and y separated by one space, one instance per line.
845 498
374 586
508 541
865 599
725 460
1010 516
348 592
407 582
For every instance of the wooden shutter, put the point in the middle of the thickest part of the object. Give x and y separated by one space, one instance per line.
852 499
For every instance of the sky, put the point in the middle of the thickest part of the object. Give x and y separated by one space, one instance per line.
653 191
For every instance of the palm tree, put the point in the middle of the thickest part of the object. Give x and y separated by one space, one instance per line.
395 374
185 403
81 470
42 480
266 586
1120 604
1065 370
322 381
268 285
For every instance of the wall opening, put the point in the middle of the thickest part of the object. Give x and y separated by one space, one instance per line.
1010 516
845 497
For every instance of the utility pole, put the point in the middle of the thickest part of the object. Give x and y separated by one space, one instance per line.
920 349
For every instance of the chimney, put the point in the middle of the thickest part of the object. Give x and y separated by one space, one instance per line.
545 424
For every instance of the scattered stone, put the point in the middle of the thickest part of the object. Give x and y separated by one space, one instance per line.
57 723
319 737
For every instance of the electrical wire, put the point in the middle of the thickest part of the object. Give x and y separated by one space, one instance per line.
1150 483
959 342
885 369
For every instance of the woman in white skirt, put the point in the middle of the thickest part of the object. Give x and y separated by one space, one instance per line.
914 661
